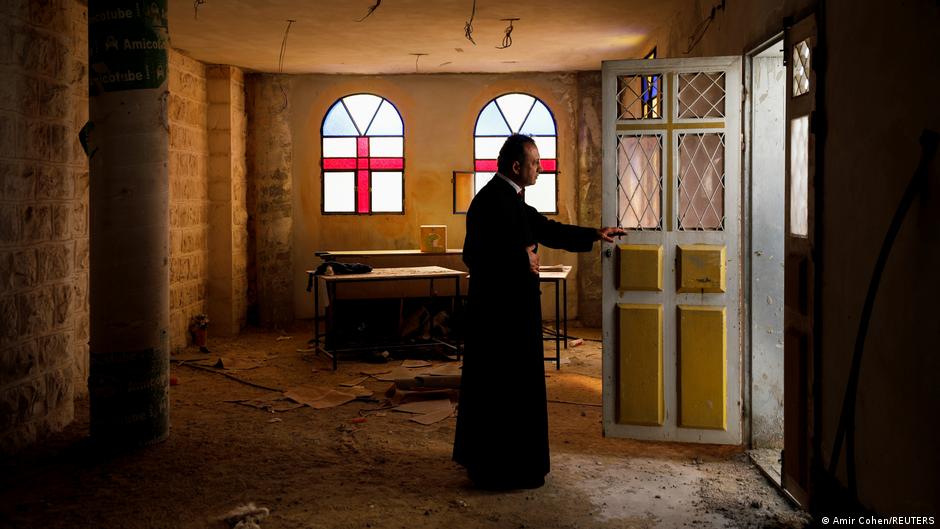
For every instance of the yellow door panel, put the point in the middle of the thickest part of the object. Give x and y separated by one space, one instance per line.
702 349
640 336
641 267
700 268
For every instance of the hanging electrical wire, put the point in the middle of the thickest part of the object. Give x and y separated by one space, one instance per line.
507 39
196 4
702 27
371 10
417 56
468 28
280 58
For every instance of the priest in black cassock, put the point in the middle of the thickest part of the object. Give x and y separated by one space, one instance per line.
502 416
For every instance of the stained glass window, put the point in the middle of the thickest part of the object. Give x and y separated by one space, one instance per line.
363 156
523 114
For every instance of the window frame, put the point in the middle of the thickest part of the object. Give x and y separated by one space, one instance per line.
370 170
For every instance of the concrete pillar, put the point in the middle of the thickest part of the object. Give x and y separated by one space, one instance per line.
129 213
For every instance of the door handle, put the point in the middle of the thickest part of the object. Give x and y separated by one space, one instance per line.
608 252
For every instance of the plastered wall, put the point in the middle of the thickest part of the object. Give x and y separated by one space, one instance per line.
43 217
439 113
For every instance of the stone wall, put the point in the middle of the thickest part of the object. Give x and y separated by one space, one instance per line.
228 235
43 217
270 157
189 195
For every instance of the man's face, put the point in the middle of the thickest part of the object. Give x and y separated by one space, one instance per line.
529 170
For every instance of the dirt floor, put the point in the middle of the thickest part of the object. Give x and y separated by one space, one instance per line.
353 466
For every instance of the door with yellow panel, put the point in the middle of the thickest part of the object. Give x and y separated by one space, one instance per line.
672 179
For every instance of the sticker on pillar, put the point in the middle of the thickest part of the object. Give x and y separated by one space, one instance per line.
700 268
640 267
703 379
640 365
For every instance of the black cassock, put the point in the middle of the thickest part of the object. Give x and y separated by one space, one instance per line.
502 417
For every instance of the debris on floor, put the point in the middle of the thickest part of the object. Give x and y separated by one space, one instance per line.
273 404
246 516
413 364
354 382
428 411
321 397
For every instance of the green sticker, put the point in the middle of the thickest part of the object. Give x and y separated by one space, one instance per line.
127 45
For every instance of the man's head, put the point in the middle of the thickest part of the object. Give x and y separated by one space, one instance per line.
519 160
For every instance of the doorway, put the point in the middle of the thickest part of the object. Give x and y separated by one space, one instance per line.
766 127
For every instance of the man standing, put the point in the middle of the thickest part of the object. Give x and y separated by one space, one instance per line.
502 418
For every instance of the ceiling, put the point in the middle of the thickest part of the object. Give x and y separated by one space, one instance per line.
551 35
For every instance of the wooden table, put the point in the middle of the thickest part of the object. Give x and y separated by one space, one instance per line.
560 279
429 273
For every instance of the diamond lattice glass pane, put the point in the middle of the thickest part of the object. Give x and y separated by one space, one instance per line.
639 96
799 176
702 95
339 192
801 65
386 191
639 182
701 181
541 196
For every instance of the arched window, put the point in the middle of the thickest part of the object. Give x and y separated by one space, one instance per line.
363 156
524 114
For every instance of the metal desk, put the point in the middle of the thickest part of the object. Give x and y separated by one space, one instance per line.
560 279
429 273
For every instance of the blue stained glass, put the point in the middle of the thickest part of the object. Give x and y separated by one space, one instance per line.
338 122
539 122
491 122
386 122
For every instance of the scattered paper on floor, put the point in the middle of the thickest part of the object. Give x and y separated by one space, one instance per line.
354 382
412 364
319 397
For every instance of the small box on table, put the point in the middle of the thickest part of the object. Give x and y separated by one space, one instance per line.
433 238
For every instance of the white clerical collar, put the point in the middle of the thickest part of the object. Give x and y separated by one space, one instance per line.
513 184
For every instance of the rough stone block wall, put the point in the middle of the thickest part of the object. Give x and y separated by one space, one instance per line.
189 195
238 138
43 217
270 157
228 232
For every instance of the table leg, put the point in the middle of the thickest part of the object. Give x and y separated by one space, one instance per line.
557 330
331 299
455 304
564 307
316 312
